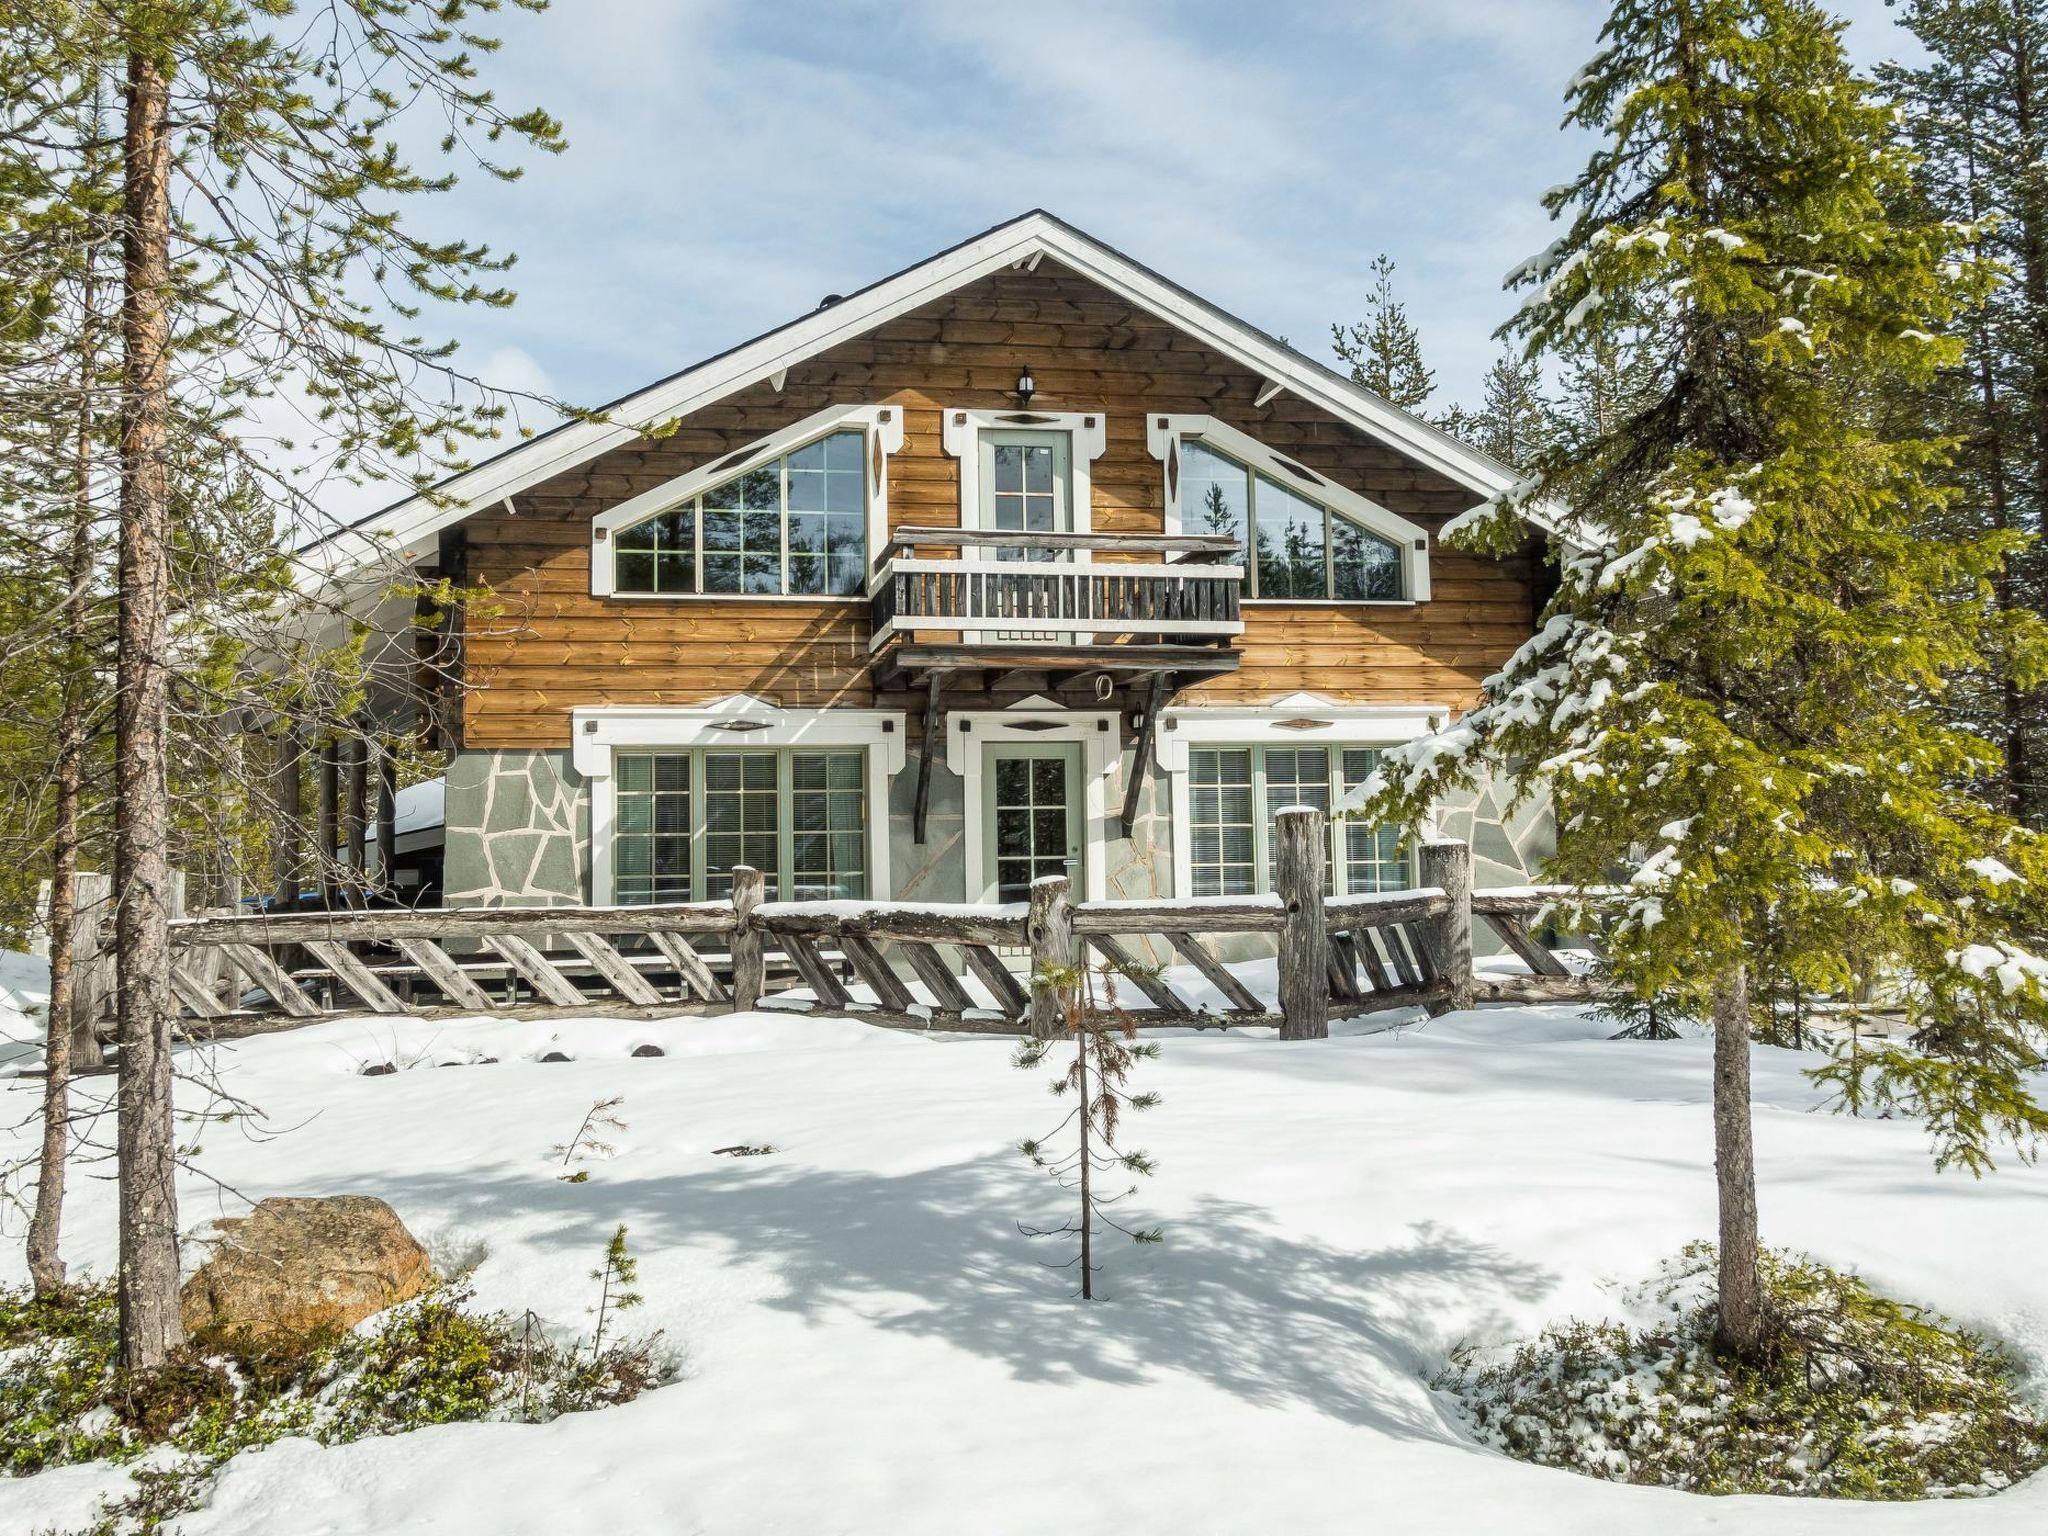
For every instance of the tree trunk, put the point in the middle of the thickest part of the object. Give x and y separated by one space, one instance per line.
45 1265
148 1281
1740 1331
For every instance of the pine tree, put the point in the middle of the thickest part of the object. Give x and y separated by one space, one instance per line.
1514 422
1383 351
260 174
1736 689
1094 1075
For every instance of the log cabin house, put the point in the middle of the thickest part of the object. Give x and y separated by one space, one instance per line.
1024 560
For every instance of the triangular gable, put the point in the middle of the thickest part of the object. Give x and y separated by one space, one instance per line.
1023 241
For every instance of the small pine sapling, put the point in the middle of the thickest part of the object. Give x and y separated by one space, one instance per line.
1094 1078
616 1278
588 1142
1636 1013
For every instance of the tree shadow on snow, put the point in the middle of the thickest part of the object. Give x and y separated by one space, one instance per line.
1275 1318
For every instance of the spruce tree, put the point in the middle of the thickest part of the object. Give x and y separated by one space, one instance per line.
1383 351
1974 110
1735 693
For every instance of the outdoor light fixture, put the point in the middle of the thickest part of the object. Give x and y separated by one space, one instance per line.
1026 386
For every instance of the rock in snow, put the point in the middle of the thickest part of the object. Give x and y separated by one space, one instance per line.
300 1265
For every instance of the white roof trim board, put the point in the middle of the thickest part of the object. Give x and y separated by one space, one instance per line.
406 524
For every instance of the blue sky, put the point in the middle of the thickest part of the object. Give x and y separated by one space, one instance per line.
730 163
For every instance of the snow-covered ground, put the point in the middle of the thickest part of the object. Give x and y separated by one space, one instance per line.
872 1346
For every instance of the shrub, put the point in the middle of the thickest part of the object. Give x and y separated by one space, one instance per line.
1860 1396
63 1397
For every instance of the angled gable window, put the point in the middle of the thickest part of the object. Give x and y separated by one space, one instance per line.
797 525
1308 539
1302 548
792 515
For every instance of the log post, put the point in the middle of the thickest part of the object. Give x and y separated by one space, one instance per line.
288 837
1448 865
330 823
387 819
749 956
357 818
92 967
1055 956
1300 841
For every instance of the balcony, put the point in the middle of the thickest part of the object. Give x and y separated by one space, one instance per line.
1159 604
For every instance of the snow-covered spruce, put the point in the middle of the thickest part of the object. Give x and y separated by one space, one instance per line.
1860 1397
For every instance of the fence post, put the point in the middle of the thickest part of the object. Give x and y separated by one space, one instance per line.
1448 865
749 956
1301 843
1054 954
92 967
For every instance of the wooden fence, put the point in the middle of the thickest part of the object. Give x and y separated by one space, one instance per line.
997 969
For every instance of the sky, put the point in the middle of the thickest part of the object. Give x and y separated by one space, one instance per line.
733 161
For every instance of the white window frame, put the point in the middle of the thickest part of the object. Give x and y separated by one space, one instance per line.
1026 723
1297 720
1165 433
732 724
882 429
1087 436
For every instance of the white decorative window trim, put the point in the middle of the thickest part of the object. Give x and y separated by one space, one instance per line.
883 429
1088 435
1028 723
735 723
1297 719
1164 434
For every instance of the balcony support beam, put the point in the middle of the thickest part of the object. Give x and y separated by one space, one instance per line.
932 687
1141 755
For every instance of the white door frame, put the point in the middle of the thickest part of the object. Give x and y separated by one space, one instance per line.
1037 720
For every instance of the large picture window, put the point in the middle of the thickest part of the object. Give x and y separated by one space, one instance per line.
1300 548
682 820
1233 793
794 526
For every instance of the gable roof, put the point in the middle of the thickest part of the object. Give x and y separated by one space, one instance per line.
408 523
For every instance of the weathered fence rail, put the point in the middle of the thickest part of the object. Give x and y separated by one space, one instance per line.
918 965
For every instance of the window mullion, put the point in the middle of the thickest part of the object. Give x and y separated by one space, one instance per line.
697 780
1262 820
785 839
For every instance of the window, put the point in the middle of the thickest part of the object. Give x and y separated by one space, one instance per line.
1026 476
1232 795
684 819
1301 549
796 525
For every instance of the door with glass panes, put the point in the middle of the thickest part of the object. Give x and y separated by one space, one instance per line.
1031 816
1026 488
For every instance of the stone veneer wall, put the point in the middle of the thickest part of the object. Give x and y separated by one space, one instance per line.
1507 848
518 834
518 831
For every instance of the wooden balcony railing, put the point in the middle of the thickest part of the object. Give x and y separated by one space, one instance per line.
1182 593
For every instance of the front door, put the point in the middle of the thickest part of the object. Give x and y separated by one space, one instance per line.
1031 816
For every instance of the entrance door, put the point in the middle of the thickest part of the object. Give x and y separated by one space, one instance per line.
1026 488
1030 816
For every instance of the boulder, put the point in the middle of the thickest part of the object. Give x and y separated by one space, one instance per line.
300 1265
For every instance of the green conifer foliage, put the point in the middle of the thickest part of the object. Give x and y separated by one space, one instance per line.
1383 351
1736 692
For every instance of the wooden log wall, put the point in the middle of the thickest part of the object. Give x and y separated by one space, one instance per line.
552 646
